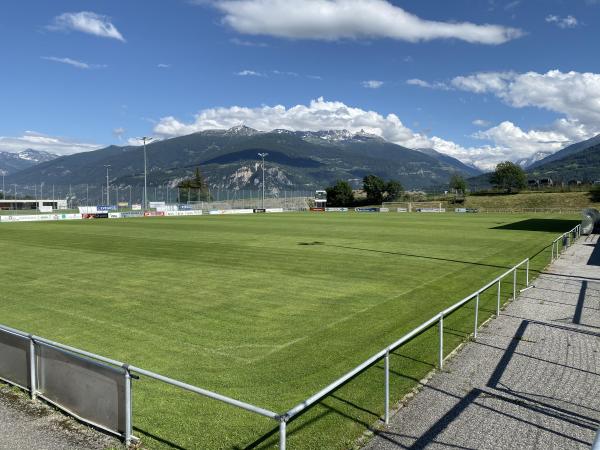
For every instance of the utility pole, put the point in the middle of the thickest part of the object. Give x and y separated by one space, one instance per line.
262 155
130 196
15 191
107 186
145 139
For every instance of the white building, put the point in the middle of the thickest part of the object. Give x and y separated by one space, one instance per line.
39 205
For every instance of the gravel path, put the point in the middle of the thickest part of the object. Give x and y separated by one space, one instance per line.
530 381
27 425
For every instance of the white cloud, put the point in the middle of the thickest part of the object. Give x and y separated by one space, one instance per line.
372 84
427 84
318 115
39 141
563 22
574 94
86 22
74 62
119 132
244 43
481 123
321 114
350 19
249 73
163 66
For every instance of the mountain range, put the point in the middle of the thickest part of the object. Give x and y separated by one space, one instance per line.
14 162
579 163
296 160
229 159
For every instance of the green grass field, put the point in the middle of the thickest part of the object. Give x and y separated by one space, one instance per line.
265 308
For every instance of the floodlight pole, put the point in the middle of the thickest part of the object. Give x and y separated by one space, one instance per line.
145 139
262 155
107 186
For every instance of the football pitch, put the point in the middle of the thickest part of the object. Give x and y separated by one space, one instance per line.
268 309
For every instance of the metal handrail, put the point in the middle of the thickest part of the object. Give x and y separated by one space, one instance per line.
571 235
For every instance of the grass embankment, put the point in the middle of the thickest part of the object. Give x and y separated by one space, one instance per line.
565 200
265 308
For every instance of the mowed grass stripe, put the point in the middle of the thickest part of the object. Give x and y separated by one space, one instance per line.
268 309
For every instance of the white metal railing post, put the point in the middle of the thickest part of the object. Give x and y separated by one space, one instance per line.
514 283
476 316
128 407
387 387
552 252
441 349
498 302
32 368
282 434
527 273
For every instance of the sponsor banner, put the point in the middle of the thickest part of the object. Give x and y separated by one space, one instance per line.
166 208
431 210
313 209
460 210
384 209
88 210
231 211
274 210
95 216
156 204
45 209
154 213
136 207
67 216
401 209
183 213
114 215
103 208
27 218
260 210
368 210
122 204
184 207
130 214
336 209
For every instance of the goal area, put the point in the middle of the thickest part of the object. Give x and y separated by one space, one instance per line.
414 206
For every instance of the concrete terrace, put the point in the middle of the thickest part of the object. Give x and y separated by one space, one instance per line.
532 378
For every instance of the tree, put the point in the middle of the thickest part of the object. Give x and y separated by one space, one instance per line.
509 177
393 190
374 187
595 193
194 188
340 194
379 191
458 184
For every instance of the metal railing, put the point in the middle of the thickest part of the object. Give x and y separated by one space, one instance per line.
564 241
283 419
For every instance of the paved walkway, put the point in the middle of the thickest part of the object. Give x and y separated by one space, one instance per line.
27 425
530 381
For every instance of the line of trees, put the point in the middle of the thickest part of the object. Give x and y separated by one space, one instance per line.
377 190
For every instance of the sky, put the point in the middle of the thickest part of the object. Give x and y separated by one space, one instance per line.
481 80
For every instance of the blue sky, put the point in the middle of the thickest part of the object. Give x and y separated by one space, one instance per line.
481 80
